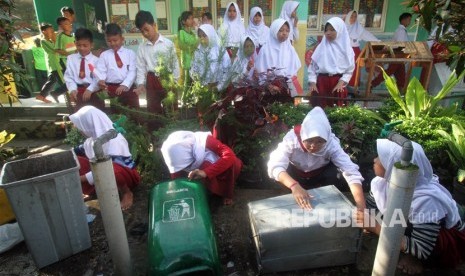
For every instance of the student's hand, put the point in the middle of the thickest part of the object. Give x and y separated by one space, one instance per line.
73 96
121 89
302 197
197 174
139 89
61 52
102 84
86 95
359 216
250 65
313 88
339 88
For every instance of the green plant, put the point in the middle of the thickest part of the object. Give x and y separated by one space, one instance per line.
5 138
417 102
9 70
423 130
357 129
445 14
456 148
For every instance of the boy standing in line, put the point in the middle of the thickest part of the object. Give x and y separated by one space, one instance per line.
79 72
56 71
116 69
157 51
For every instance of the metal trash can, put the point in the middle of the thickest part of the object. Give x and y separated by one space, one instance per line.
181 239
287 237
46 197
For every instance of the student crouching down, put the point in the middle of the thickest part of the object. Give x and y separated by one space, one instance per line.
198 155
307 158
92 123
435 232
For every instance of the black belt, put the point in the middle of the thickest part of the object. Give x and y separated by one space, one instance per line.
83 85
329 75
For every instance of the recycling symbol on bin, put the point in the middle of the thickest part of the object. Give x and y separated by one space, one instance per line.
179 209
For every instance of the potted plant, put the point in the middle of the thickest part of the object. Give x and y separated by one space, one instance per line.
456 152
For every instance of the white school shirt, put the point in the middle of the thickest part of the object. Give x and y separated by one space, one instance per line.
400 34
108 70
315 124
148 57
357 32
333 57
73 65
290 151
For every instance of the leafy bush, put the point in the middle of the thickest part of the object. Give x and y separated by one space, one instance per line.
423 130
456 151
357 128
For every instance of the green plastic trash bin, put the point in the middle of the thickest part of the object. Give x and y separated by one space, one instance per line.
46 197
181 239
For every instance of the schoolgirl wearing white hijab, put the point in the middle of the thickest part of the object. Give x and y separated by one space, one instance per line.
243 67
332 65
92 123
434 229
356 33
257 28
278 53
308 157
289 13
198 155
232 29
210 63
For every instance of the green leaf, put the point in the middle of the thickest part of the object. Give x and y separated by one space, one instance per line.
415 97
394 91
461 175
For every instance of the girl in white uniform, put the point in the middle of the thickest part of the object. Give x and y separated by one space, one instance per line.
307 158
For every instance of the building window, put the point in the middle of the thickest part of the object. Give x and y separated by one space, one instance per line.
371 13
163 14
123 13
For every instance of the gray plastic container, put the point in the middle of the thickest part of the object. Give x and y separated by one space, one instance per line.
46 197
287 238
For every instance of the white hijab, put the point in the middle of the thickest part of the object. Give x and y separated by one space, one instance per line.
207 60
431 201
232 31
92 122
355 30
260 33
316 124
280 55
336 56
286 11
240 64
185 150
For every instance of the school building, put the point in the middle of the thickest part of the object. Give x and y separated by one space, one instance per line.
380 17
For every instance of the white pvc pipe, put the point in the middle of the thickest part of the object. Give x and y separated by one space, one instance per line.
112 216
401 187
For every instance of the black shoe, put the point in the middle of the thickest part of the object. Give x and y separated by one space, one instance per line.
55 96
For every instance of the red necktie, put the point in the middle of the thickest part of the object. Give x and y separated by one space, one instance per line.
82 68
118 60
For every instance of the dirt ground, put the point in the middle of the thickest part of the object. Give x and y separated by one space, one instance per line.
231 226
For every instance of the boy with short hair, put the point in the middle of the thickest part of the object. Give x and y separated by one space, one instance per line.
68 12
56 71
156 51
79 72
64 44
116 69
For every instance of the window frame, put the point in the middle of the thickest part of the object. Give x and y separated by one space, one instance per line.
320 18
